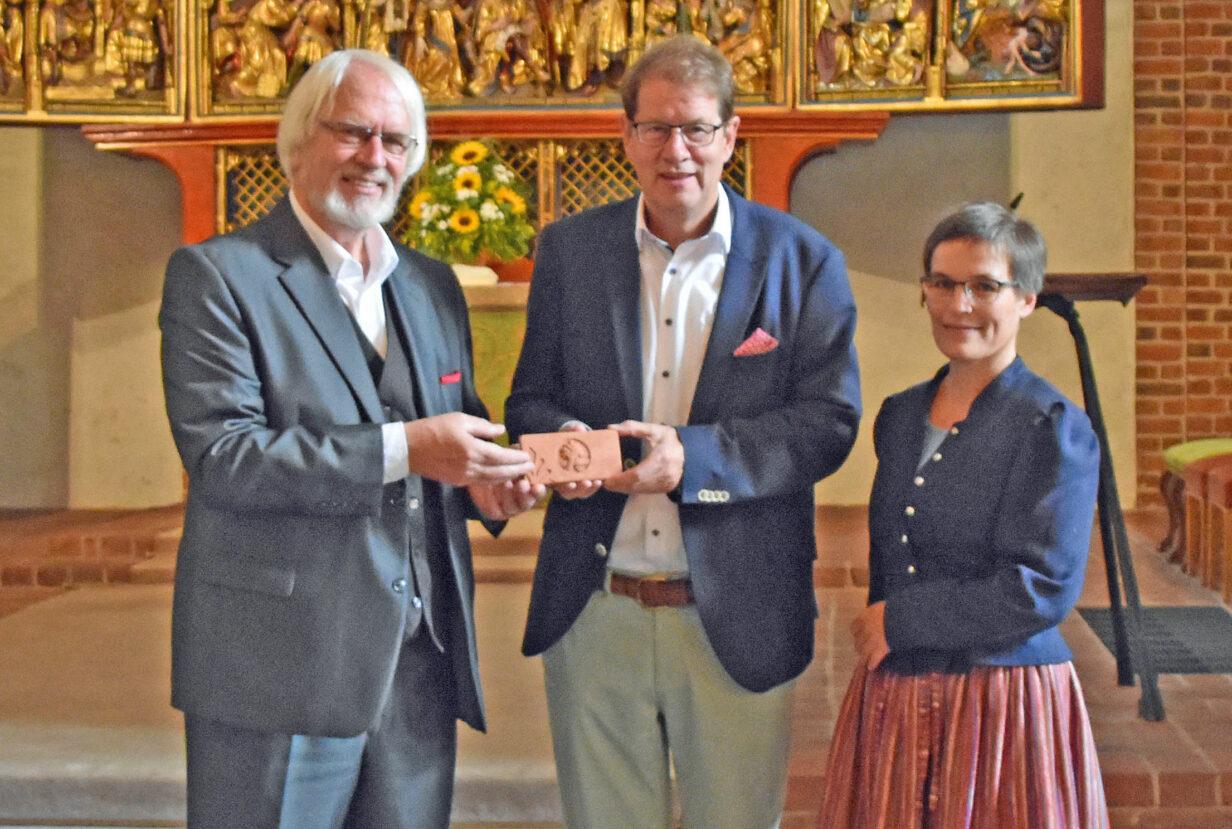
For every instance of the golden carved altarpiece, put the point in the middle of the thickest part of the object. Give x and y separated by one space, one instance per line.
176 60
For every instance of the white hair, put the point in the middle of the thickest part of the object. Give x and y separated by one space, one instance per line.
316 89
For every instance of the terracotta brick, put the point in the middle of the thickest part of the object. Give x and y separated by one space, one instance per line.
1158 351
52 575
16 574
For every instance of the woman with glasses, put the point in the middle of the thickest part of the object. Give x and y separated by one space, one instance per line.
964 710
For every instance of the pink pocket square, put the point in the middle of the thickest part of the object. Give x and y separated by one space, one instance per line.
451 378
759 342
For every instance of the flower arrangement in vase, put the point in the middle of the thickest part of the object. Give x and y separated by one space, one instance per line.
471 208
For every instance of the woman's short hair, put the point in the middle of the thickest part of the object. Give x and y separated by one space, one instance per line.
686 61
988 222
315 92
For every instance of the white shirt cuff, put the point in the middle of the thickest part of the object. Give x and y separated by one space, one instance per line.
397 460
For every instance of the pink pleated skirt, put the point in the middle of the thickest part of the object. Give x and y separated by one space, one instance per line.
994 747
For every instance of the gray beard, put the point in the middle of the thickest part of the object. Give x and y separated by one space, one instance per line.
363 214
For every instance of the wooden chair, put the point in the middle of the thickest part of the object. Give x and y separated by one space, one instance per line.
1219 527
1177 459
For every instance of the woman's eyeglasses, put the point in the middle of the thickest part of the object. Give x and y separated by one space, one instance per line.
979 291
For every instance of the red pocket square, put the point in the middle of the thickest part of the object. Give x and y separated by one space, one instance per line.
759 342
451 377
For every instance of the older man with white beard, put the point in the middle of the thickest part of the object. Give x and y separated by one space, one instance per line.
320 390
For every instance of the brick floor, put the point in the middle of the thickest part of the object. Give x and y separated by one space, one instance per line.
1176 773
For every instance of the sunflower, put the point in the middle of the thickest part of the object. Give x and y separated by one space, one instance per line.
469 152
467 180
417 204
464 220
511 198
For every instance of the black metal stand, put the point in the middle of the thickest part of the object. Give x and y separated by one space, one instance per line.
1131 651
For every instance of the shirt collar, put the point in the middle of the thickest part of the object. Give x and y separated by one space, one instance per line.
720 229
382 257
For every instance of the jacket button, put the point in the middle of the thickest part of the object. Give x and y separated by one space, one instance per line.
919 480
936 456
910 510
413 503
911 569
600 550
398 585
902 539
417 602
953 430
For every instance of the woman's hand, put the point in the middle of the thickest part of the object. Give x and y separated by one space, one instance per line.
868 630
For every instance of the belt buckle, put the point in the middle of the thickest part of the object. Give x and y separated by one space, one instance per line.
643 582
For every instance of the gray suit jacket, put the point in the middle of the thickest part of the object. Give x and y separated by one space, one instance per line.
285 616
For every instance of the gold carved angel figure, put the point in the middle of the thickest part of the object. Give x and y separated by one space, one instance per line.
508 46
12 43
432 49
138 46
314 34
601 39
65 40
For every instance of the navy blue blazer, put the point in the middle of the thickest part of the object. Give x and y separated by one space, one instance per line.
981 553
762 429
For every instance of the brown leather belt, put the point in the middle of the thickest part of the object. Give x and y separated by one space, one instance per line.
653 592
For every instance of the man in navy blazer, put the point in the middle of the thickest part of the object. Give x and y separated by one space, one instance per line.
319 386
673 603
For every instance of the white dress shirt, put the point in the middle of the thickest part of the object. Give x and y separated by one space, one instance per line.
680 289
361 294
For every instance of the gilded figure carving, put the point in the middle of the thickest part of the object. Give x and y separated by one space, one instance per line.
600 40
65 41
254 64
315 33
507 47
660 20
432 50
12 48
138 44
748 42
869 44
562 31
999 40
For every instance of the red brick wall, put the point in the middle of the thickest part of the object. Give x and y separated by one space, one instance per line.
1183 226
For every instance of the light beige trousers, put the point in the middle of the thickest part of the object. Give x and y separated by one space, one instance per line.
635 692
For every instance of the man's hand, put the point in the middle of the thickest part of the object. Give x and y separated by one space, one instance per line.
868 629
454 448
662 464
501 501
576 489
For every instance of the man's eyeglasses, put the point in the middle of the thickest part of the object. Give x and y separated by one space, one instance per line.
979 291
655 134
356 135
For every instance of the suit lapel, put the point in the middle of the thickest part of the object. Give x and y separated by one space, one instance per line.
624 287
314 293
743 278
425 341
